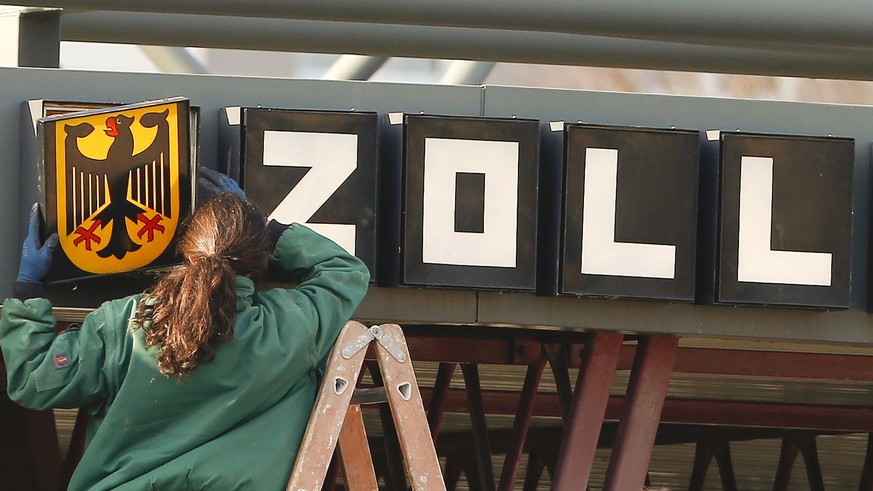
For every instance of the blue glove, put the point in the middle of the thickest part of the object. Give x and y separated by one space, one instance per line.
35 258
213 183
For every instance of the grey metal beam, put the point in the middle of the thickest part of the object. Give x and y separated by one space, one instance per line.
354 67
836 22
452 43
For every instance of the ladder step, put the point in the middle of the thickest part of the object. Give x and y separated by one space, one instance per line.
375 395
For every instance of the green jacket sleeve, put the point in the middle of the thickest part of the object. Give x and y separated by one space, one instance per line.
332 281
45 370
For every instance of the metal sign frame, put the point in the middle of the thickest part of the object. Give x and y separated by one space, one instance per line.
414 305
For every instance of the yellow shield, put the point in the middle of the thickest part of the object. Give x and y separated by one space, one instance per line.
118 186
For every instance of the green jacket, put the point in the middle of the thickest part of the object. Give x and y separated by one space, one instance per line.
235 423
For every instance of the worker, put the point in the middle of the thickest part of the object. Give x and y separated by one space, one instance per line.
202 382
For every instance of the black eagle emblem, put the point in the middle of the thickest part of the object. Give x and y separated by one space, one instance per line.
124 186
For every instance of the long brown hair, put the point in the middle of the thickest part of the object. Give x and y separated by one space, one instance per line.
191 310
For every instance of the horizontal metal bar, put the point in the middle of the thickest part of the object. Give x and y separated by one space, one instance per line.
690 411
451 43
765 414
546 436
490 351
503 347
726 362
837 22
817 366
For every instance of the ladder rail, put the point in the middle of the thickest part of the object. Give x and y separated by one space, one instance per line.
404 398
329 411
354 453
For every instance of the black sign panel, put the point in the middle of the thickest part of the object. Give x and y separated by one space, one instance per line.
785 228
317 168
470 202
630 212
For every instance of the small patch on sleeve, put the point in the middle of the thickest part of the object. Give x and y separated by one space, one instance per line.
62 360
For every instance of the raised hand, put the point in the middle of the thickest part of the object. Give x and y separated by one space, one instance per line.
213 183
36 258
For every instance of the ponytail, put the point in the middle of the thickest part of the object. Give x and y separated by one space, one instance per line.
190 311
